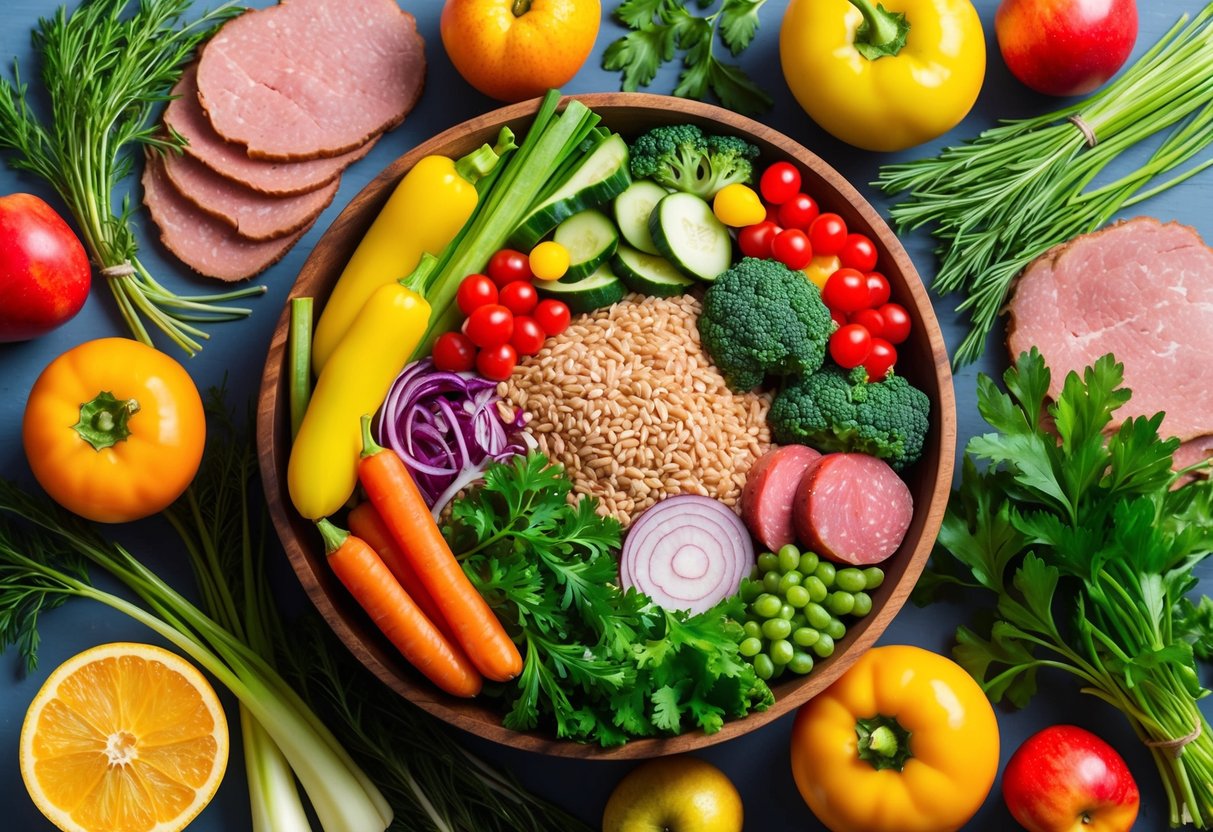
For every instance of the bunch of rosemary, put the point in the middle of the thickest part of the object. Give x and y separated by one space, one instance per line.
105 71
1000 200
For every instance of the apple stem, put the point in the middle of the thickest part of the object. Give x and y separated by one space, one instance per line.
103 420
882 33
521 7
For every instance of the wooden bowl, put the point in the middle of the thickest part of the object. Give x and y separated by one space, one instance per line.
923 357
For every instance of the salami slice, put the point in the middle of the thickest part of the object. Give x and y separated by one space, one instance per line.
769 492
852 508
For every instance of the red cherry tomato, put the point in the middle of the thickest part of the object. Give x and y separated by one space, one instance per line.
878 290
846 290
519 297
772 213
858 252
798 212
850 345
552 316
896 323
528 336
791 247
508 265
880 360
839 318
497 362
828 233
870 320
490 326
779 182
454 352
474 291
755 240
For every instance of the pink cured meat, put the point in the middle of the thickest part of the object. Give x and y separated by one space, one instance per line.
252 215
311 78
1141 290
184 115
853 508
201 242
769 492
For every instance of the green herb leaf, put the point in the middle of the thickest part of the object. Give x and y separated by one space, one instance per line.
739 23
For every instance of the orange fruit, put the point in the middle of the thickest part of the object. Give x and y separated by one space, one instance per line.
512 50
124 738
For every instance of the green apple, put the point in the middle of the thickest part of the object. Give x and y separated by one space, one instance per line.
674 794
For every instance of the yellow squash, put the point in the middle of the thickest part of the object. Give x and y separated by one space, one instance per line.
883 77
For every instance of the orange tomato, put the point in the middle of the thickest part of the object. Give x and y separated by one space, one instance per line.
512 50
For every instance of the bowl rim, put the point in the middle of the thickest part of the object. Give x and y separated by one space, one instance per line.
936 467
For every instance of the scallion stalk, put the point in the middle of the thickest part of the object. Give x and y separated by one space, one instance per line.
299 359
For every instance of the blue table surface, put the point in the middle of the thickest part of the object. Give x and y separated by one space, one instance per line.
758 763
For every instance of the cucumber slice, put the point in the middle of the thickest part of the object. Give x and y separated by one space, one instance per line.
600 289
601 176
632 210
590 238
649 274
688 234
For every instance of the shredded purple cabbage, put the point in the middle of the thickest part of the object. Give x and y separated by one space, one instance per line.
447 429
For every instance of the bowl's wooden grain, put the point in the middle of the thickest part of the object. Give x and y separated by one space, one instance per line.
923 359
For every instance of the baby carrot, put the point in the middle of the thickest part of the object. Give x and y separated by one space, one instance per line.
366 523
391 489
359 568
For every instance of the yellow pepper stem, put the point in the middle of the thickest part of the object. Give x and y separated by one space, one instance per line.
883 743
481 161
882 33
103 420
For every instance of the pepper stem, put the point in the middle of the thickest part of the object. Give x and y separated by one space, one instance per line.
333 536
104 420
417 279
883 743
521 7
882 34
369 446
481 161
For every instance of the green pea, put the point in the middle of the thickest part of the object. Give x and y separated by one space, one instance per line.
752 629
766 605
779 669
781 651
826 571
763 666
817 616
797 596
824 646
789 580
776 628
801 663
808 562
770 581
767 562
805 636
873 577
840 603
789 557
750 647
786 612
850 579
863 604
816 587
749 590
835 629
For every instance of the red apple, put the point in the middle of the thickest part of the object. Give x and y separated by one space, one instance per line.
44 271
1065 779
1065 47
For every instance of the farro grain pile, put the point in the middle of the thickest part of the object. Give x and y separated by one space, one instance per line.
628 401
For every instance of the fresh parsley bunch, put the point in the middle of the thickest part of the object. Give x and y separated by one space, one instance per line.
601 663
660 28
1089 547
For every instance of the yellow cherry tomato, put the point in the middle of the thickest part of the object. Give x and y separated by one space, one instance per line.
821 267
114 430
738 205
903 741
549 260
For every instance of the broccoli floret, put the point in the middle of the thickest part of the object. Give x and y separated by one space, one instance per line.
837 410
761 318
683 157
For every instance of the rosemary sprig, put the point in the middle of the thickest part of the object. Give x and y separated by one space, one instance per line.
105 71
996 202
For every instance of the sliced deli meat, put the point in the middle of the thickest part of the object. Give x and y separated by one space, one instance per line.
185 116
1142 290
852 508
311 78
202 242
252 215
770 490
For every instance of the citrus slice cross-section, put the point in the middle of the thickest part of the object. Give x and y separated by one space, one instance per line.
124 738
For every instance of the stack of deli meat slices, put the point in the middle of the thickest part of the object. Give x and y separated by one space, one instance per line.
280 102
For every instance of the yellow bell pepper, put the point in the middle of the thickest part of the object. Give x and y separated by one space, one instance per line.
883 77
424 213
903 741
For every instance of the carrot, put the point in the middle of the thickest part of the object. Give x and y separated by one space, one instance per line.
391 489
396 615
366 523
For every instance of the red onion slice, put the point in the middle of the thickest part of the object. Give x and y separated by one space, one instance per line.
686 553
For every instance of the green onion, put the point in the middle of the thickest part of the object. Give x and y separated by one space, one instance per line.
299 359
998 201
